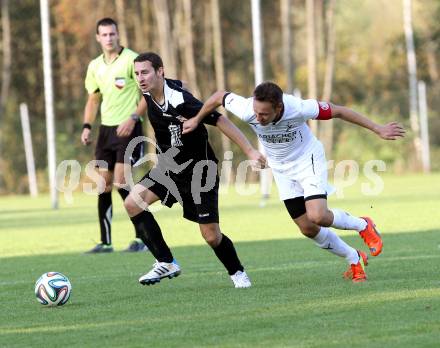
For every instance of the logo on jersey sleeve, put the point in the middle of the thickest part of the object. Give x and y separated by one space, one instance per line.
176 135
324 105
324 112
119 82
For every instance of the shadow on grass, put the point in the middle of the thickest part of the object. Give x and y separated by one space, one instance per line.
255 255
296 288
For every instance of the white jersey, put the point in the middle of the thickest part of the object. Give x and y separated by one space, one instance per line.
289 139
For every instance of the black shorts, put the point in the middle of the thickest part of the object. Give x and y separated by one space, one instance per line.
297 206
111 148
203 212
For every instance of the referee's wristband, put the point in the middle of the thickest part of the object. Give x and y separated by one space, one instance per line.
87 125
135 117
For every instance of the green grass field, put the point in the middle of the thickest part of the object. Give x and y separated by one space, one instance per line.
298 298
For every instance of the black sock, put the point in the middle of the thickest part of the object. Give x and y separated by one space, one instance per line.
105 213
124 193
226 253
151 235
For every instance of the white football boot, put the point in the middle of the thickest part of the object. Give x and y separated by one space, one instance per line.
241 280
160 270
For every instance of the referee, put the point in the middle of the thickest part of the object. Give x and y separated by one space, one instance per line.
111 87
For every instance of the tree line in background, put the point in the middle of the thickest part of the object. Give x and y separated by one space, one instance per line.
351 52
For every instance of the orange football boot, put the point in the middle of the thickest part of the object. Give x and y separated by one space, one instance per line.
371 237
356 272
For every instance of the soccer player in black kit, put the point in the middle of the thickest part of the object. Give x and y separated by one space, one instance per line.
186 172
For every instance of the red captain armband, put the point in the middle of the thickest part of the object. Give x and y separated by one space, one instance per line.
325 111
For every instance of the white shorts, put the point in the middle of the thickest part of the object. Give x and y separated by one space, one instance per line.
305 177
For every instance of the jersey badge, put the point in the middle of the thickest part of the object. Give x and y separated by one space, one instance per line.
324 105
120 82
176 135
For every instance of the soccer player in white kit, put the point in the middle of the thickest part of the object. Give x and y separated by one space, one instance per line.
299 165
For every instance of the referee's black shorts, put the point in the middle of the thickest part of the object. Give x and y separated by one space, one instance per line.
204 213
111 148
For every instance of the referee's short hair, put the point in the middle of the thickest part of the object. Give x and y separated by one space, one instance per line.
105 22
269 92
156 61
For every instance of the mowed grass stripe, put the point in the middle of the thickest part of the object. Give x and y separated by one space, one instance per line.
298 298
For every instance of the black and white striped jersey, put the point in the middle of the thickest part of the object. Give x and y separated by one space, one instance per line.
167 119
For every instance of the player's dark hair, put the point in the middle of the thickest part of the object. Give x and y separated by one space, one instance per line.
105 22
156 61
269 92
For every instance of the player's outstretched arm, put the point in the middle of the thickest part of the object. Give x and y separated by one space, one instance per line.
232 132
389 131
213 102
90 112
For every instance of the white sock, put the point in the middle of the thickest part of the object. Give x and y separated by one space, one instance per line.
326 239
344 221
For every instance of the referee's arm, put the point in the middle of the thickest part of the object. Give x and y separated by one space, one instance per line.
90 112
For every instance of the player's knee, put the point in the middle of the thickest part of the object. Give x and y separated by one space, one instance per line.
213 241
130 206
316 217
310 230
211 235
